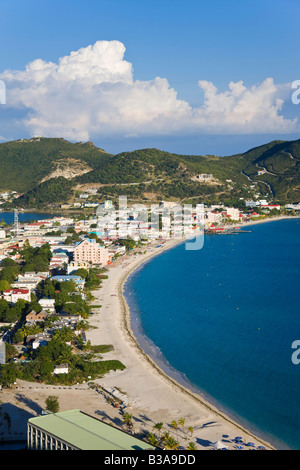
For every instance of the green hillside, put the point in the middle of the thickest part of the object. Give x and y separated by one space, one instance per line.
53 170
24 163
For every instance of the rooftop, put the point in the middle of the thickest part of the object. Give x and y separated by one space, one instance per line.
86 432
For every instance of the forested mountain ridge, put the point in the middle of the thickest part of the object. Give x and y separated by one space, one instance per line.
52 169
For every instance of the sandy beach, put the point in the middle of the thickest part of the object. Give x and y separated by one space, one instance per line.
149 394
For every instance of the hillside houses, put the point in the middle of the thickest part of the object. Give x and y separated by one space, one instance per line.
13 295
29 280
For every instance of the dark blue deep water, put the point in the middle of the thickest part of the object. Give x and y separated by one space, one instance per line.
8 217
224 318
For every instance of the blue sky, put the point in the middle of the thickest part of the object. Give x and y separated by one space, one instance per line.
151 74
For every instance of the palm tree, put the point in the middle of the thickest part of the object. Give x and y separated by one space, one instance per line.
191 446
181 421
158 426
165 436
171 444
127 418
174 425
191 430
152 439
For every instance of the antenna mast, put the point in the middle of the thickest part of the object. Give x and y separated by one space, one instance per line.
16 224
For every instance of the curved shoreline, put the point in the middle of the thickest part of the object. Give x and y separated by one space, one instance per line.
125 322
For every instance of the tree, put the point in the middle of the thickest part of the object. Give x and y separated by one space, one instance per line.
46 288
83 273
46 368
127 418
8 374
191 430
152 439
171 443
191 446
174 425
4 285
10 351
9 273
158 426
52 404
181 421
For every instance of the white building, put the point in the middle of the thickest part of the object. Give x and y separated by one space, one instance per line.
233 213
47 304
13 295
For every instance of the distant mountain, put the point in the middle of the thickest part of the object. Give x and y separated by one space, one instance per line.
54 170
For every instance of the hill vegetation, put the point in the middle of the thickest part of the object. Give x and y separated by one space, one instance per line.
35 167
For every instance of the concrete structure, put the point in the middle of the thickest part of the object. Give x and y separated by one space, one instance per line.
203 177
91 252
76 430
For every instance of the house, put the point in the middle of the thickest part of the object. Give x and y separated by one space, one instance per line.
29 280
58 260
48 305
77 279
271 206
33 317
13 295
74 265
61 369
204 177
35 341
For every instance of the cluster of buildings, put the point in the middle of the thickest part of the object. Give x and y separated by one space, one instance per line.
66 259
98 240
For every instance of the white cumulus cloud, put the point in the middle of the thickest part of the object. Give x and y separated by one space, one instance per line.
92 93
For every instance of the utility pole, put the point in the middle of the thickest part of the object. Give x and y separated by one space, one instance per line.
16 224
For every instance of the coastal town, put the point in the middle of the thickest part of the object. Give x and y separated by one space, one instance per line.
54 270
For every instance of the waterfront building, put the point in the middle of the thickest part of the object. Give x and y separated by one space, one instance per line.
91 252
76 430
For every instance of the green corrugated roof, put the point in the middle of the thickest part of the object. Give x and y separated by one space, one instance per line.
86 432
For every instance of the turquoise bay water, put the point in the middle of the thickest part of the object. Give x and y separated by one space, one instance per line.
223 320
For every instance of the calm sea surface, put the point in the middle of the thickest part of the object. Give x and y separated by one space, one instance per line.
223 319
8 217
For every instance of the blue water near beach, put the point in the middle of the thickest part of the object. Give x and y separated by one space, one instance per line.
223 319
8 217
